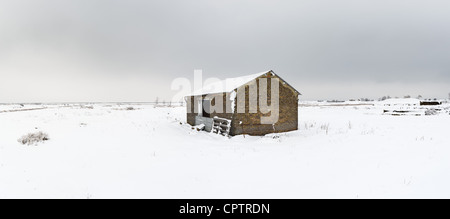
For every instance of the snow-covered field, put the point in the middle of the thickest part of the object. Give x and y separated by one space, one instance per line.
107 151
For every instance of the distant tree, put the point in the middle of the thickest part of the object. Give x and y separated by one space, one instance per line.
156 101
407 96
364 99
419 97
449 96
181 103
164 103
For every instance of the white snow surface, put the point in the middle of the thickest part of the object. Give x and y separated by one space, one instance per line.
111 152
226 85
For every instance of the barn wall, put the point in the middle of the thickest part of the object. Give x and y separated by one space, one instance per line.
226 106
246 123
190 108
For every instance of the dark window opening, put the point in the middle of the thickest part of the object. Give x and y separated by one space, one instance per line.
206 108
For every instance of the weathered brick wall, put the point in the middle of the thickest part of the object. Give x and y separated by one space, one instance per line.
250 123
190 111
226 109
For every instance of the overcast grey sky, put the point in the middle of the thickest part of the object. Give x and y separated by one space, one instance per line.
131 50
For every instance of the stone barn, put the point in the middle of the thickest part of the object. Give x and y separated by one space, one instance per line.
257 105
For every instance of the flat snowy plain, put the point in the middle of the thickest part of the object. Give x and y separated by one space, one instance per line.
106 151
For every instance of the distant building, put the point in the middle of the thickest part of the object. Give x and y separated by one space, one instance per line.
402 106
430 103
411 106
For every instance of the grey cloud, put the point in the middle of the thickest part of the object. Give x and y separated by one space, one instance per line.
335 42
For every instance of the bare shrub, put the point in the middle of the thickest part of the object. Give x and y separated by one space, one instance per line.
309 125
86 107
325 127
33 138
130 108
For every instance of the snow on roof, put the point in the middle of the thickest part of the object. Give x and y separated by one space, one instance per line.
402 101
226 85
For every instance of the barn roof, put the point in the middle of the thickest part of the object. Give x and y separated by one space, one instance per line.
231 84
